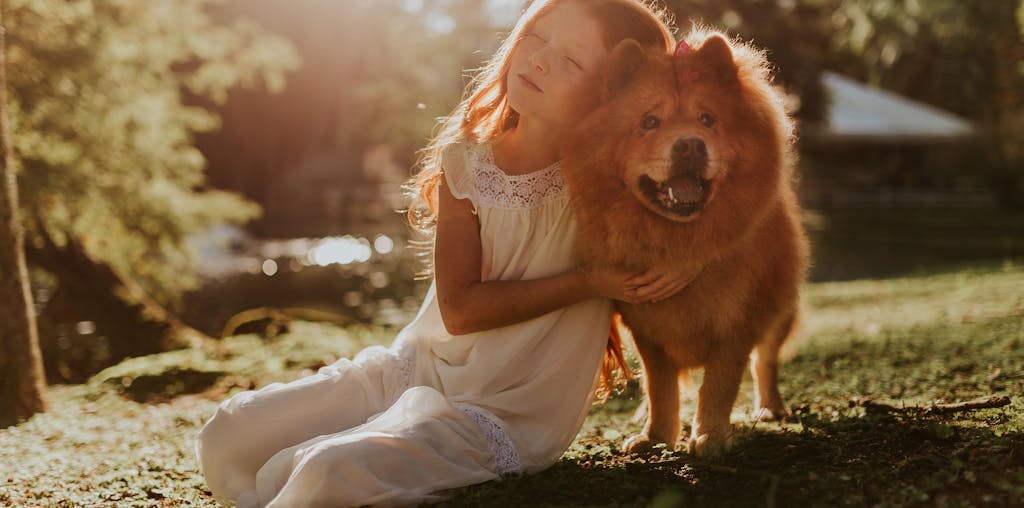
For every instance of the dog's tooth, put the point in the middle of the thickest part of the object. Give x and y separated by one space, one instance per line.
670 195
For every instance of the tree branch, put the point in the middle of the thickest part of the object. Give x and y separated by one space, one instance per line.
934 408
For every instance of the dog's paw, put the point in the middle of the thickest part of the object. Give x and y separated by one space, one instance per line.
640 444
708 445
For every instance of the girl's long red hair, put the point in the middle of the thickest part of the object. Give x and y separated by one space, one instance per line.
484 113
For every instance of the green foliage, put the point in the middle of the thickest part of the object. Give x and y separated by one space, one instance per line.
376 72
411 74
964 57
105 138
944 52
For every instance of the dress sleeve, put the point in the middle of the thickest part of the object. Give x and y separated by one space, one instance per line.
458 174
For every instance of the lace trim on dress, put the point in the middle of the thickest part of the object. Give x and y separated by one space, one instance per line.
500 444
497 189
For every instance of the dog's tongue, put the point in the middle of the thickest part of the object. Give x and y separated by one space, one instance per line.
685 188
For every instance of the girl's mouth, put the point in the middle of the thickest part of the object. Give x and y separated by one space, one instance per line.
531 84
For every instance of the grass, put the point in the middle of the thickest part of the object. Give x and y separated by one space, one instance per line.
125 438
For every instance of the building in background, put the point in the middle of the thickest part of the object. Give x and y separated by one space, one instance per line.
877 147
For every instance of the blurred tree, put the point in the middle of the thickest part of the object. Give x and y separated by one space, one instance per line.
22 383
961 56
111 172
376 72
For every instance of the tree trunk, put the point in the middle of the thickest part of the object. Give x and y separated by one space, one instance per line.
1007 103
22 382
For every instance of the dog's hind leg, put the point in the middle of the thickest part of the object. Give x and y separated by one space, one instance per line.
764 367
661 386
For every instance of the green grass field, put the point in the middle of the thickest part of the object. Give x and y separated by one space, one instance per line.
125 439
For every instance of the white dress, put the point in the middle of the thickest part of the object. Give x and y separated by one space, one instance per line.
435 411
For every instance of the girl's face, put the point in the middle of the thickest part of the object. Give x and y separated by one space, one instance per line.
555 69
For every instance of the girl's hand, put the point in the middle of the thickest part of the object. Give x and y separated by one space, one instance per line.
658 284
611 283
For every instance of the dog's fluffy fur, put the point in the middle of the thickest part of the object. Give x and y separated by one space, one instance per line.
688 163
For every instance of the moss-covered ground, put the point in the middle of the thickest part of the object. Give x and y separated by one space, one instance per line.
126 437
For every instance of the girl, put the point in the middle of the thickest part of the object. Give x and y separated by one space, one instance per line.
494 376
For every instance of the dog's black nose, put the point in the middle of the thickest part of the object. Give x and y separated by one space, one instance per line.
691 147
689 155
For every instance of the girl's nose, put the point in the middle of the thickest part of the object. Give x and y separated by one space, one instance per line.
539 59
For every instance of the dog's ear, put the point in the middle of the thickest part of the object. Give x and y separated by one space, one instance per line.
626 58
715 58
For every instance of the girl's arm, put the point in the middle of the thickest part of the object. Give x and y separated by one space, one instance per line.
469 304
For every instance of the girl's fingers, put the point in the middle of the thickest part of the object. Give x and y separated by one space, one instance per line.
646 292
661 295
671 291
668 290
653 286
642 279
677 287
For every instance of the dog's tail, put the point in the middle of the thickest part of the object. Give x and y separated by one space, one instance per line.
615 371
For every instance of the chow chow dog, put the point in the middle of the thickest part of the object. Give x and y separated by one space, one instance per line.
687 165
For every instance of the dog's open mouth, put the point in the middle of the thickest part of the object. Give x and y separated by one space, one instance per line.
683 195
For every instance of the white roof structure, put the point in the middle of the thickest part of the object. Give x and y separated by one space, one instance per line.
859 113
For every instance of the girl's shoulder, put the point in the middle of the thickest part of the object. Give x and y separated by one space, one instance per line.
464 157
458 172
471 172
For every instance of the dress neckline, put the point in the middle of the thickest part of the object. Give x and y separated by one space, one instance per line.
496 189
489 158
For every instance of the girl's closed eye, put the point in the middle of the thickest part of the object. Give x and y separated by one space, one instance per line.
574 62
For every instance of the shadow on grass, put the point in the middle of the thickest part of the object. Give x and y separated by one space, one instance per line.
853 460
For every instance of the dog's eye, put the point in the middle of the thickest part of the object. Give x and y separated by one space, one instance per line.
706 119
650 122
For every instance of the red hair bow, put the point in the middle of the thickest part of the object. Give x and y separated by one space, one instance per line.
682 48
685 76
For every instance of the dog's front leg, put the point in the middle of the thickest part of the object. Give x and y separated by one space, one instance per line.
711 428
661 384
